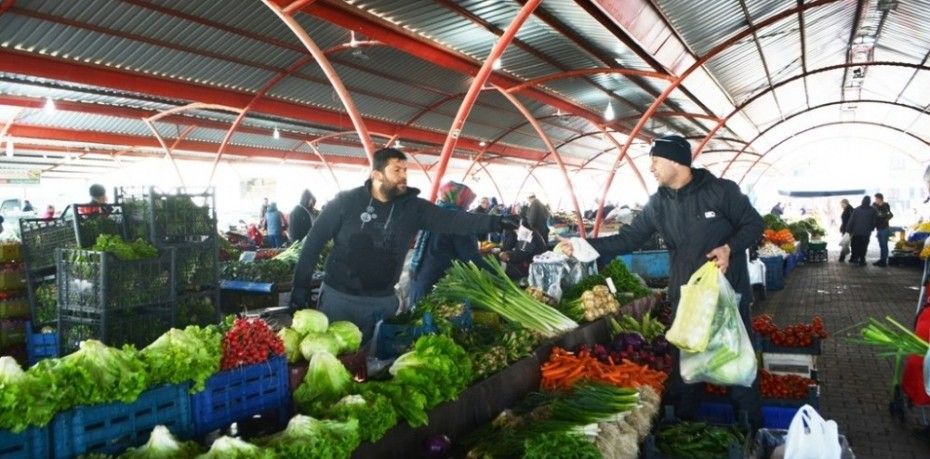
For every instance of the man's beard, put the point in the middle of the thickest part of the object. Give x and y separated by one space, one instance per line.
393 190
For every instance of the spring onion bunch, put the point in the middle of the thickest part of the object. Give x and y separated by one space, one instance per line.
496 292
894 339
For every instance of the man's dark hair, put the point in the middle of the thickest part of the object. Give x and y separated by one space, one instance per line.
879 196
97 190
384 156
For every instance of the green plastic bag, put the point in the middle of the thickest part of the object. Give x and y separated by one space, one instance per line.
697 307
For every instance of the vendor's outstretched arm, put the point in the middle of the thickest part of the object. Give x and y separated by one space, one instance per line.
630 237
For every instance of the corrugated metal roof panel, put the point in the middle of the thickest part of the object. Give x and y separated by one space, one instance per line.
781 45
763 111
739 69
760 10
906 30
884 82
323 95
84 122
690 20
792 97
581 23
405 67
825 87
824 45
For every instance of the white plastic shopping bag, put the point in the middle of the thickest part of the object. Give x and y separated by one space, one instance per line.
812 437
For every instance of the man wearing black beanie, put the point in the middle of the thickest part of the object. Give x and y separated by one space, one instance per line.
700 217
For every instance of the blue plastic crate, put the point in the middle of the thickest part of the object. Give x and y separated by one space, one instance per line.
649 264
716 413
392 340
114 427
241 393
40 346
774 272
31 443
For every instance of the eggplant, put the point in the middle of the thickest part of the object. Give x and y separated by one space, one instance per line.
660 345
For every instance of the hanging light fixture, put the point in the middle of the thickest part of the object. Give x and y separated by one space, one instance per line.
49 105
497 64
482 144
609 112
397 144
353 43
9 147
276 134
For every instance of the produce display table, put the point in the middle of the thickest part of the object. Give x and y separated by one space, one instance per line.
483 401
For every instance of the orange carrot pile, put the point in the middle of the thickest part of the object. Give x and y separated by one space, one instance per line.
565 368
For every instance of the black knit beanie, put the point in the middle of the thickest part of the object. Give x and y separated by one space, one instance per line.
674 148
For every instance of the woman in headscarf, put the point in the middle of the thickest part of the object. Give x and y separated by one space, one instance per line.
433 253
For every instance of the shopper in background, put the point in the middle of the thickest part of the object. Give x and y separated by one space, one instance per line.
371 228
844 223
484 206
537 217
882 216
526 244
274 226
778 210
262 212
98 201
701 218
433 253
49 212
302 216
860 226
27 206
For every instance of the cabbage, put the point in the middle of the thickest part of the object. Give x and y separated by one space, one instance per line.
291 343
326 381
318 342
374 417
309 321
348 334
234 448
162 445
192 354
309 437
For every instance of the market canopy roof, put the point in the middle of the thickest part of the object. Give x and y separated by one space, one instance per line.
760 75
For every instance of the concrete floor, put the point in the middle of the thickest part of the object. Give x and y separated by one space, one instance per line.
855 384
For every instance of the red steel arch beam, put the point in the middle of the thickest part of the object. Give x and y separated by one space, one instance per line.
835 123
473 91
676 83
326 164
493 182
331 75
545 138
587 72
756 97
828 104
599 217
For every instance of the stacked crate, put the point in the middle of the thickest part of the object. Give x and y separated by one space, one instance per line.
185 222
14 307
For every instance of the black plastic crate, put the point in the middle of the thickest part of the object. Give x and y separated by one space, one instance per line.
42 292
197 265
197 308
138 326
40 239
169 217
92 220
94 282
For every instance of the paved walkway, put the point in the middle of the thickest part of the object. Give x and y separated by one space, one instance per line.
855 385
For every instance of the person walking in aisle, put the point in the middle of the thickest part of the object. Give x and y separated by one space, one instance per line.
701 218
537 217
371 228
275 226
860 226
302 216
883 215
844 222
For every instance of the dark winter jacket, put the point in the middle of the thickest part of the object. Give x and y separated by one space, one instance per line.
705 214
300 221
518 265
367 257
537 218
882 215
862 221
441 249
844 219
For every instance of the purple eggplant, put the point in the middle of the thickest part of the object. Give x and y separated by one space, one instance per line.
660 345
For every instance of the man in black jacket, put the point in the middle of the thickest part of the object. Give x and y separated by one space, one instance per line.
883 215
701 218
372 227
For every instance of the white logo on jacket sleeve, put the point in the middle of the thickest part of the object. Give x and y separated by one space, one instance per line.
710 214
